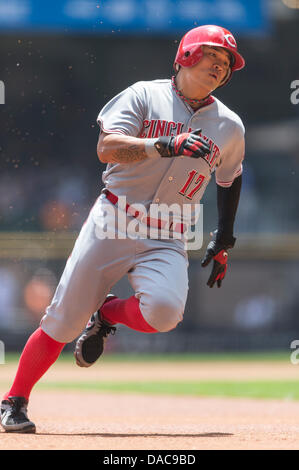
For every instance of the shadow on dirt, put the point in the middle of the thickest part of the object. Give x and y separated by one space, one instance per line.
132 435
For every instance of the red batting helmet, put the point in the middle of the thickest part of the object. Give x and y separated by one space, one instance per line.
190 52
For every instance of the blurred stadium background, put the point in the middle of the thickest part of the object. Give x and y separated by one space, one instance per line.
61 61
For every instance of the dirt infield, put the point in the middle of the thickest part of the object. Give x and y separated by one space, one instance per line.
98 421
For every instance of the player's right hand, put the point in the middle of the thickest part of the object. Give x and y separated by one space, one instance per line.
189 144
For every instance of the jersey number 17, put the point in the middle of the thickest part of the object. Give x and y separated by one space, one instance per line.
193 184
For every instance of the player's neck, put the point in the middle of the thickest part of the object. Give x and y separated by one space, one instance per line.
195 103
189 87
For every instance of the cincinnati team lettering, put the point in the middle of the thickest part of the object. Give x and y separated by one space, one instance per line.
154 128
157 128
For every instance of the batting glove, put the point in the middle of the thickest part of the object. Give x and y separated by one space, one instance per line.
189 144
217 251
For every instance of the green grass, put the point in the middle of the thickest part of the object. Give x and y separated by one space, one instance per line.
288 390
184 357
188 357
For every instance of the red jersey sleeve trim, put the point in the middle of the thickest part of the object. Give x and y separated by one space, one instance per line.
109 131
227 184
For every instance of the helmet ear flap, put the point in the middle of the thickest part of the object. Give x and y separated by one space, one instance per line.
188 55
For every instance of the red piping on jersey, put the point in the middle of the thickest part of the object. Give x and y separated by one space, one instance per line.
108 131
228 183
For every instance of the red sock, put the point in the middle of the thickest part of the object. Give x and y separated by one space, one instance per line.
39 353
127 312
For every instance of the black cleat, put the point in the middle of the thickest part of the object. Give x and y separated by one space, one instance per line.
90 345
14 415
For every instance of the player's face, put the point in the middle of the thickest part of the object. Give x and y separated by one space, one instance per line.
210 71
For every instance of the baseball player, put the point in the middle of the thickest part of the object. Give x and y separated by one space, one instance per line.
161 140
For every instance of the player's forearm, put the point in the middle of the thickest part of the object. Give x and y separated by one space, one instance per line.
227 202
113 148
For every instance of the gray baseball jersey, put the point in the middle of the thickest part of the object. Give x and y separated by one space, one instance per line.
153 109
157 269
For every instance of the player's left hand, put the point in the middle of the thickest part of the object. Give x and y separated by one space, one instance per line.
188 144
217 251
